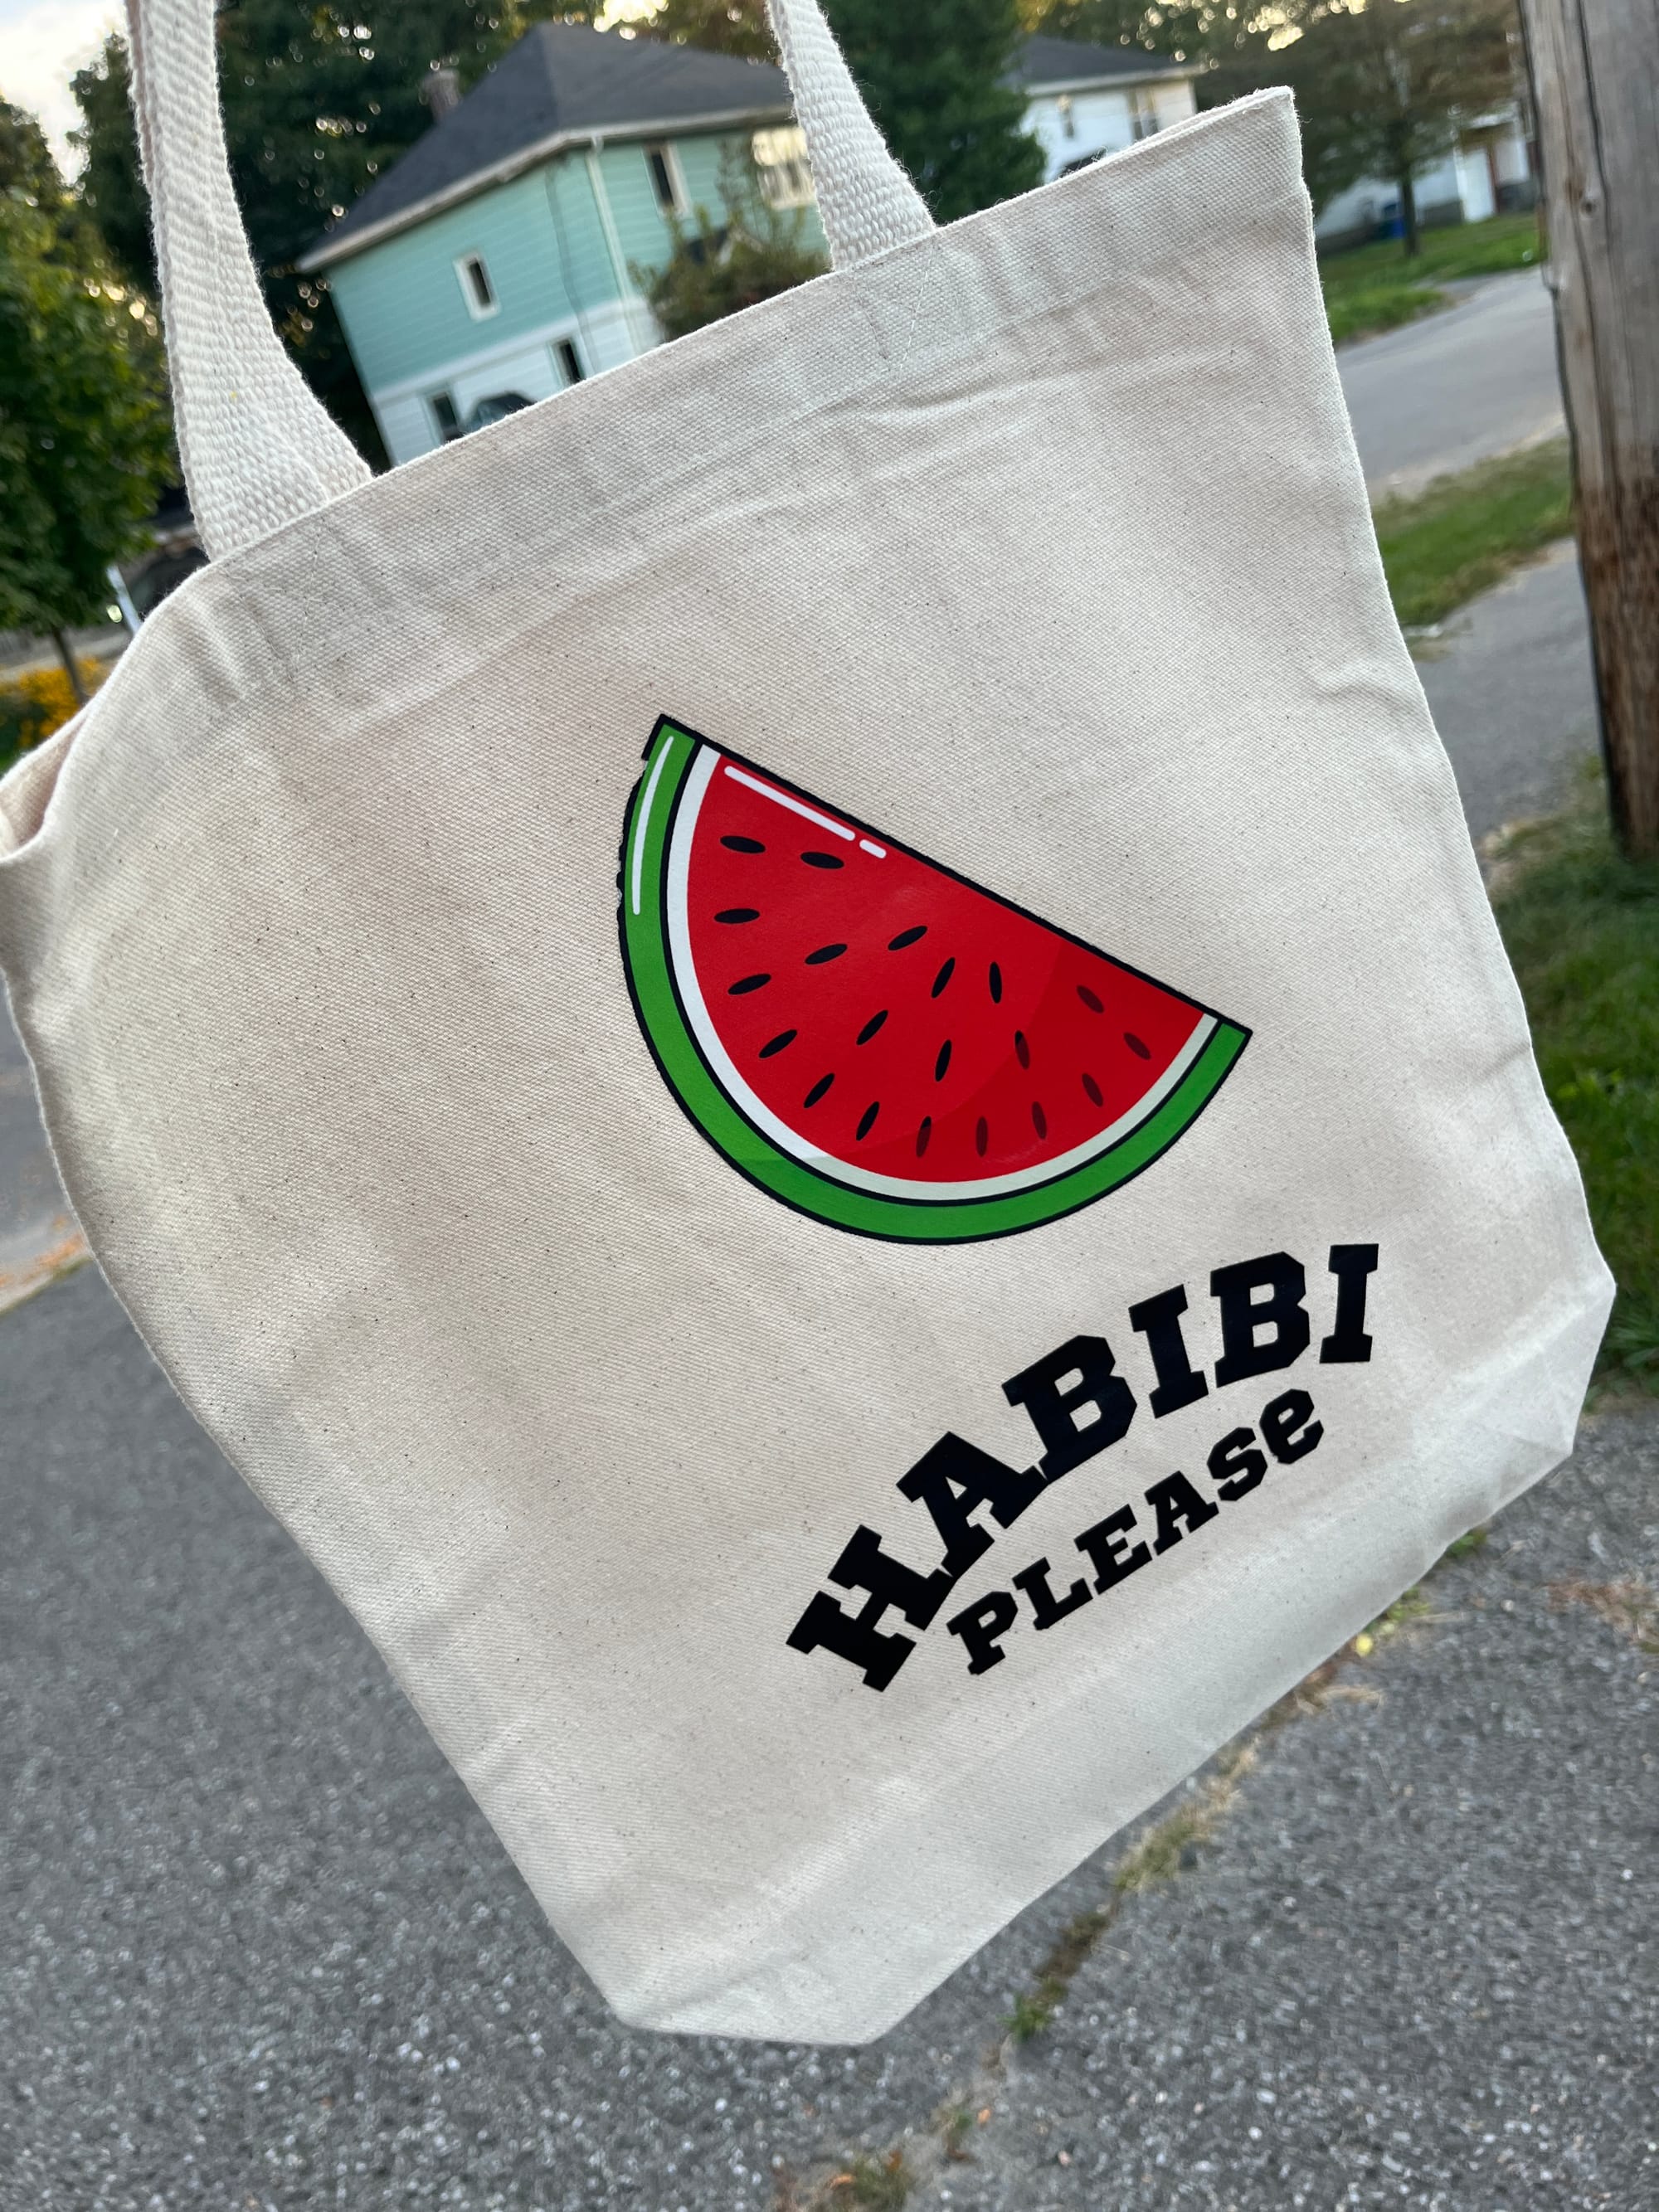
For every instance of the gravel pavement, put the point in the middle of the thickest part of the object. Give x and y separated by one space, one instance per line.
257 1949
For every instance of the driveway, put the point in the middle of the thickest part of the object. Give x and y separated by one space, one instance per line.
1456 387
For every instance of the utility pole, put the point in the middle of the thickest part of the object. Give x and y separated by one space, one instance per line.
1594 68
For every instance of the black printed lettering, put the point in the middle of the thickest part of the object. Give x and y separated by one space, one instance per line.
1353 1266
1046 1608
1158 1319
1243 1316
1067 1441
980 1626
1110 1555
1235 1467
858 1636
952 1479
1180 1510
1281 1421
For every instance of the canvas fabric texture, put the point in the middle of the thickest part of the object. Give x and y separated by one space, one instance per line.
1036 547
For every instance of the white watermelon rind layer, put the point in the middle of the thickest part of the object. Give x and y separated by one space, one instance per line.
686 1047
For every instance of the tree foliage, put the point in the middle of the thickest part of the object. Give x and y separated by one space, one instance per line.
319 98
748 253
720 27
935 75
85 443
1385 90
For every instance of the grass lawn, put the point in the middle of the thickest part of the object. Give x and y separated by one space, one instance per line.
1581 925
1374 288
1464 533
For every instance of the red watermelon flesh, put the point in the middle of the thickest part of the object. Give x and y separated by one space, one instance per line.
904 1021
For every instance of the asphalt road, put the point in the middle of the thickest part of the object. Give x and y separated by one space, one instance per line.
1510 688
1457 386
257 1949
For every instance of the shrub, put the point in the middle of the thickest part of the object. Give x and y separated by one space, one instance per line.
718 266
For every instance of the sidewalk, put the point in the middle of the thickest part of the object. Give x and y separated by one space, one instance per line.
1510 687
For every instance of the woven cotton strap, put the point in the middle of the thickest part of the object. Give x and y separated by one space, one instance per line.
258 448
865 199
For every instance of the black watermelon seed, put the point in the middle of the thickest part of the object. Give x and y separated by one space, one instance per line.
944 976
1136 1046
943 1062
1039 1119
742 844
907 937
1022 1050
996 985
777 1043
981 1136
824 953
1093 1090
747 983
817 1090
821 860
867 1119
923 1134
1089 1000
872 1026
738 914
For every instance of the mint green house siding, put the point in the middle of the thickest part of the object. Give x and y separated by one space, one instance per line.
557 245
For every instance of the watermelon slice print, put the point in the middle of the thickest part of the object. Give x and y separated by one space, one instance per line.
873 1039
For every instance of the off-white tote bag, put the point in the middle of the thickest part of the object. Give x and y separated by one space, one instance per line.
802 1055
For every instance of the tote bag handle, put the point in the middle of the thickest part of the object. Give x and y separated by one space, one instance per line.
258 448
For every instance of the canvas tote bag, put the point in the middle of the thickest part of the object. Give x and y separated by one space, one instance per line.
802 1054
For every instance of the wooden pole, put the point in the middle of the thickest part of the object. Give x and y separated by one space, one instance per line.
1594 68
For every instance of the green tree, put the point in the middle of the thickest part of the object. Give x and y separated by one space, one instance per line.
319 98
718 264
1385 89
722 26
935 75
1209 31
85 443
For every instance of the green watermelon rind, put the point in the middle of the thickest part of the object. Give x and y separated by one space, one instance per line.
662 1020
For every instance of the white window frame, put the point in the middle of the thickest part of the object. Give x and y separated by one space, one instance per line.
782 167
671 161
464 265
1143 112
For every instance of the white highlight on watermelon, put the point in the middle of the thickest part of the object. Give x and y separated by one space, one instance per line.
640 826
879 851
806 813
790 1140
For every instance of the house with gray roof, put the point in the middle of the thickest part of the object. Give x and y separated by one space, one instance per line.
495 263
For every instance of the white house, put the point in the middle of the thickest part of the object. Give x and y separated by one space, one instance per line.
1087 101
1488 173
